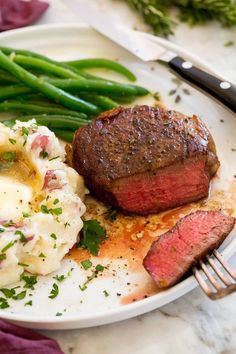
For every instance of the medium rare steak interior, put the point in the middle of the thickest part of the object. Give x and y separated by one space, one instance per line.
176 251
145 160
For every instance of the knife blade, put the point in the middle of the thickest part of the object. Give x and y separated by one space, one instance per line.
146 50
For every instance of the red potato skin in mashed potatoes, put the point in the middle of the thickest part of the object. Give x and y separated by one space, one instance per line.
41 198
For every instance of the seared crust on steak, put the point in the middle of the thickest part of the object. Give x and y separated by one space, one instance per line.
127 142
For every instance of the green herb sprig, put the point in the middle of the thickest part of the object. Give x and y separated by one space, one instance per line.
157 13
93 235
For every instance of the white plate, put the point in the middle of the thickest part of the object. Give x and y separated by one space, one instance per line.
74 41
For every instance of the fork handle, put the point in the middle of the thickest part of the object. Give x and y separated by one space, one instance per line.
223 91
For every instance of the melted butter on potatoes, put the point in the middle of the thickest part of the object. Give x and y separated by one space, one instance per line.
41 202
21 170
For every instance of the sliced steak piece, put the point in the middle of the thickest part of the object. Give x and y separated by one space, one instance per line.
144 159
176 251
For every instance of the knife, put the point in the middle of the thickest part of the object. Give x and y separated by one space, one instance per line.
146 50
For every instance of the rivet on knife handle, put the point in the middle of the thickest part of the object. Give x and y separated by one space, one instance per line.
223 91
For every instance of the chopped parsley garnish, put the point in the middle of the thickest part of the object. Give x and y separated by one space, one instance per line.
83 287
44 209
56 201
54 158
1 230
66 224
11 294
23 264
54 292
25 131
25 215
3 303
86 264
20 296
12 141
69 273
55 211
44 154
53 236
93 235
30 281
29 303
23 238
8 223
58 314
106 293
25 134
8 293
8 156
59 278
111 214
99 268
3 256
42 255
9 245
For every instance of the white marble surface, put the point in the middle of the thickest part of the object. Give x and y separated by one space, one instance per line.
192 324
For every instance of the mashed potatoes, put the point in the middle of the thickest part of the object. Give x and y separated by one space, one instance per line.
41 206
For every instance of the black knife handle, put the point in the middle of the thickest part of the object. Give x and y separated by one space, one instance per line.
223 91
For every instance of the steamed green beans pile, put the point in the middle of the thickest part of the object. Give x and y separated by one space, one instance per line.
60 95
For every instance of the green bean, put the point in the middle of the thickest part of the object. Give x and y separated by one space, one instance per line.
122 98
55 121
102 63
82 63
64 134
56 94
88 76
73 85
7 78
101 101
13 91
8 51
28 53
45 66
35 98
78 72
37 109
99 86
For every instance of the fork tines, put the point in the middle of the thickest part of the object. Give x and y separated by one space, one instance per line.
222 283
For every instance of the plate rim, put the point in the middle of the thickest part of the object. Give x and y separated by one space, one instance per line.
129 310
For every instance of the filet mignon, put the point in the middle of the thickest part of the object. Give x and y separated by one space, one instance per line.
176 251
144 159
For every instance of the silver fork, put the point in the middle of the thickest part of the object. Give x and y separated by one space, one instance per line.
216 290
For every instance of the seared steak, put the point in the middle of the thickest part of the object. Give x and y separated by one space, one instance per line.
176 251
144 159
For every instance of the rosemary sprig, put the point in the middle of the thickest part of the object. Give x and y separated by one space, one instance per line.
157 13
201 11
